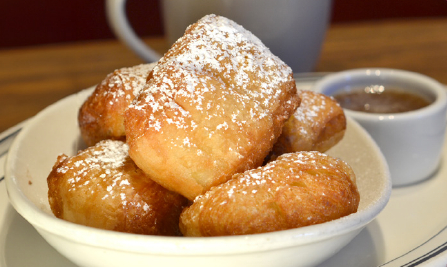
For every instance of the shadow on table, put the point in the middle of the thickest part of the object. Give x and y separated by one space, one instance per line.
23 246
365 250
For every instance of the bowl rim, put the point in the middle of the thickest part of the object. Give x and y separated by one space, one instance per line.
339 79
180 246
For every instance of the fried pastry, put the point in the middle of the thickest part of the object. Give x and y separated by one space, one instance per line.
296 190
102 114
103 188
318 124
214 105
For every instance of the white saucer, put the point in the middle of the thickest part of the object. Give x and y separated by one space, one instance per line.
408 232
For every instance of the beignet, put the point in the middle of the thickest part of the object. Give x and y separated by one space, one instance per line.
214 105
318 124
102 114
102 187
297 189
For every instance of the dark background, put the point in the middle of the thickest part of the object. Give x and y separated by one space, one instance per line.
28 23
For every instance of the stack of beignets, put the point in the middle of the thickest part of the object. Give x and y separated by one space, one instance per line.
213 106
297 189
194 130
102 114
103 188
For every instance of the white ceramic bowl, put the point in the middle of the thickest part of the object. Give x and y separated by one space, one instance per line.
411 141
55 131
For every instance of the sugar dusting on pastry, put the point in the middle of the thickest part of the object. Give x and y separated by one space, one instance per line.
319 123
308 117
213 105
102 115
225 48
266 174
296 190
106 158
126 82
102 187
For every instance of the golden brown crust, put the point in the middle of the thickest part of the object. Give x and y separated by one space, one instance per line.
298 189
214 106
102 114
102 187
318 124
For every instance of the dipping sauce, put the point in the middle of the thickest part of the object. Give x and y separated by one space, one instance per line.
378 99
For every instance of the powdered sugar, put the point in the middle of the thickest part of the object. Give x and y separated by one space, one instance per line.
100 162
126 82
292 165
308 114
215 56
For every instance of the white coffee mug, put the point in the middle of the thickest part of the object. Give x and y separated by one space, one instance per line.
294 30
411 141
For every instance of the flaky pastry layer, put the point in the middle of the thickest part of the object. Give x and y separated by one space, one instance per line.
102 187
296 190
318 124
102 114
214 105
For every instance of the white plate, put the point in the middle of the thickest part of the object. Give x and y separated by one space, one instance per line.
413 215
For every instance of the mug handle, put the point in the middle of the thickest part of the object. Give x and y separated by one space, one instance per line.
116 15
